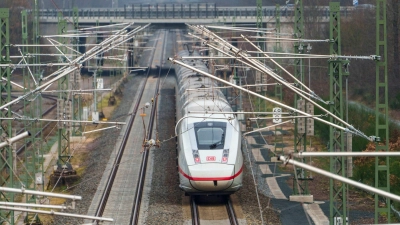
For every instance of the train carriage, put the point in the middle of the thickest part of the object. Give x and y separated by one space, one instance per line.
209 150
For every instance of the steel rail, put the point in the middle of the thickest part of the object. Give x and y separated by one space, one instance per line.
231 212
194 210
142 174
23 147
106 192
121 149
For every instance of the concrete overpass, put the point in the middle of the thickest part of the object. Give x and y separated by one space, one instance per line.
193 13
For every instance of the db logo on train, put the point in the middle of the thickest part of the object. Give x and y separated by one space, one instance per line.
210 158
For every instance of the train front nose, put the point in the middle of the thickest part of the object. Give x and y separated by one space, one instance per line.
211 177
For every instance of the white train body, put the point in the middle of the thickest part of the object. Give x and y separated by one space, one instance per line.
210 159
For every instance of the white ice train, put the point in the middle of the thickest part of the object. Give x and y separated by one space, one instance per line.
210 159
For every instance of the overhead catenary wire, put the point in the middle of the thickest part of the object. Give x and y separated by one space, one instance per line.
237 52
262 31
58 43
13 83
256 64
68 160
276 63
370 57
34 205
289 56
346 129
65 70
261 68
237 27
289 39
56 213
216 48
30 72
288 117
60 120
105 42
76 64
77 90
357 154
215 112
16 66
111 25
380 192
40 193
59 50
267 128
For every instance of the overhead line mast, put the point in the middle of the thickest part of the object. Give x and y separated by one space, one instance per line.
36 104
303 127
32 175
278 88
338 164
6 161
64 169
260 77
75 81
382 164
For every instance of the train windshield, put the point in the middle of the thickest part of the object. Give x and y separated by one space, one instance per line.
210 135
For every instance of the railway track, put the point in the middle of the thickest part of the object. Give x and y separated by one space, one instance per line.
231 212
153 71
120 152
200 210
21 149
145 156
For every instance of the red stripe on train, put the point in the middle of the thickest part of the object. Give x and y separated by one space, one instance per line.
211 178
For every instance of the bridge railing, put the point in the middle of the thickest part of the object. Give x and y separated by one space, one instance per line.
180 11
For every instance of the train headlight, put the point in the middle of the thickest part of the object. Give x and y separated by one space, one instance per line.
196 156
225 155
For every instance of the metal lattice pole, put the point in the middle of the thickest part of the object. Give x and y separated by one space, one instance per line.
63 112
300 184
260 78
338 190
382 173
6 159
278 48
278 88
32 175
259 13
97 76
36 104
75 80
